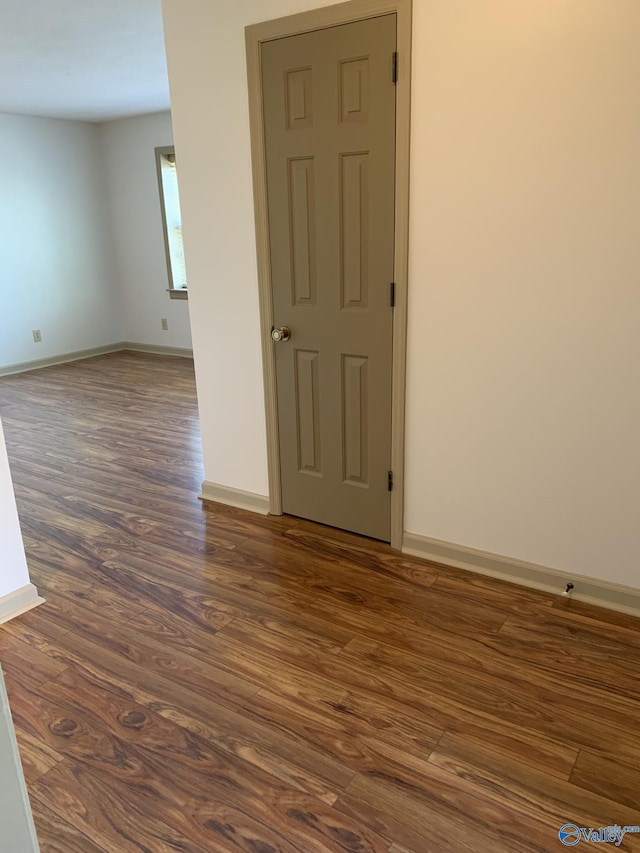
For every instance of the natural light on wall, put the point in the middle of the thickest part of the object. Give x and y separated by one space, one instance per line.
172 221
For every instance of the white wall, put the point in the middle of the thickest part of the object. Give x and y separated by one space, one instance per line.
18 831
524 349
134 206
55 264
14 574
523 410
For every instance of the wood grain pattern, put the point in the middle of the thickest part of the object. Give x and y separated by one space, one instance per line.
203 679
57 835
518 789
37 756
616 780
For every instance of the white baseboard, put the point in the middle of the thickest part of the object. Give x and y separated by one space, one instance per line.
235 497
25 366
613 596
177 352
18 602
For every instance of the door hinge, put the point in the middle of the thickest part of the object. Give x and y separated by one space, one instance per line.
392 295
390 481
395 67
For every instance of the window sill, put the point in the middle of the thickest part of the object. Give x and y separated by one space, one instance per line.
178 294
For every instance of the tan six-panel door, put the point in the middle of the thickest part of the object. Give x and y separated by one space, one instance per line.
330 114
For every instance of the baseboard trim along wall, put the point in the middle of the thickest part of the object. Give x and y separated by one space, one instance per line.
235 497
613 596
18 602
176 352
25 366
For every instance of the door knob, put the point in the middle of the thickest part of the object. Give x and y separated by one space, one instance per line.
281 335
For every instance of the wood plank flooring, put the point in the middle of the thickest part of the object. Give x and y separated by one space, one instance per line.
202 679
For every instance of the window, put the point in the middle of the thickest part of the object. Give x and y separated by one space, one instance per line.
171 221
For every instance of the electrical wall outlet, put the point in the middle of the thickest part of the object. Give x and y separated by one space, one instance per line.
37 336
165 325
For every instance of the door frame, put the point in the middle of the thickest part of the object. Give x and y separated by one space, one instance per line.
255 36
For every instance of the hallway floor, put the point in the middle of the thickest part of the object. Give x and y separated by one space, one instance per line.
202 679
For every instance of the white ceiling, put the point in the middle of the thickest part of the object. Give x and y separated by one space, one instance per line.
91 60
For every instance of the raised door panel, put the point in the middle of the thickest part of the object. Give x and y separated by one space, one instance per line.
299 98
355 420
354 89
302 223
354 229
307 392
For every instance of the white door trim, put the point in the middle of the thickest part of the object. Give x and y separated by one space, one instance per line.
256 35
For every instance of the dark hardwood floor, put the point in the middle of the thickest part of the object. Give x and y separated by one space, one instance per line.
203 679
